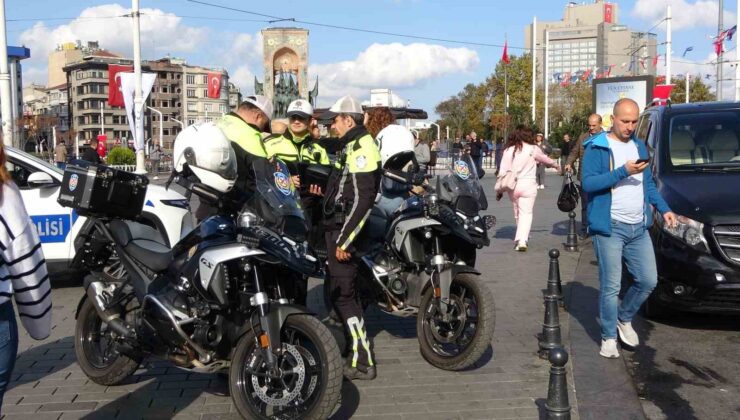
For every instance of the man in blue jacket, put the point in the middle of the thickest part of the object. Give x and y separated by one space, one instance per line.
621 195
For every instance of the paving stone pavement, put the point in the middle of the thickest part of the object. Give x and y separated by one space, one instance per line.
509 382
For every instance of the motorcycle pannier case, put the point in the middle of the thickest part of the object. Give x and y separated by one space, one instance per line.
103 191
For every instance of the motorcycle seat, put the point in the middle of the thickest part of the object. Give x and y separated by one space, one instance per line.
143 243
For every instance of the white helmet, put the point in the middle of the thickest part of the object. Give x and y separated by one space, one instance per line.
208 154
300 107
396 146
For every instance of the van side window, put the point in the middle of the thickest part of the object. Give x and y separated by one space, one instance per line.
643 128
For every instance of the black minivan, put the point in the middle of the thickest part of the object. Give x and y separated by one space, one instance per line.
695 151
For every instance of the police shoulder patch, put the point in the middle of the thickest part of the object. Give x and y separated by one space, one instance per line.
361 162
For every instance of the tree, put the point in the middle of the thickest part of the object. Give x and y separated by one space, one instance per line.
452 115
699 91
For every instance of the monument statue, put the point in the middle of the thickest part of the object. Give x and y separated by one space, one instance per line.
286 69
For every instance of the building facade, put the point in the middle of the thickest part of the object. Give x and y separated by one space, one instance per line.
45 114
15 55
180 94
590 41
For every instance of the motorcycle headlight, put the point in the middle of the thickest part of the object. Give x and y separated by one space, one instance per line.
249 219
687 230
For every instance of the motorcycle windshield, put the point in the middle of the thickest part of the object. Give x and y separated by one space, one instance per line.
276 187
462 177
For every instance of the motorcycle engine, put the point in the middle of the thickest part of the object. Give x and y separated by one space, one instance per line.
390 273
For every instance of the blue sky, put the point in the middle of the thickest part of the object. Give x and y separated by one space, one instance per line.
422 71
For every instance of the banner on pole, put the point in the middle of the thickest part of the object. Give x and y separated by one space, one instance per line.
128 85
214 85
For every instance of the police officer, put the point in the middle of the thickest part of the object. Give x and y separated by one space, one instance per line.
350 195
243 128
296 143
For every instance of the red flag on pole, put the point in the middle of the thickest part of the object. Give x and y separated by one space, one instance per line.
505 56
214 85
661 94
566 80
115 96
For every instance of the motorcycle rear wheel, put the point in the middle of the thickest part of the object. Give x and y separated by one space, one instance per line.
96 350
310 369
460 342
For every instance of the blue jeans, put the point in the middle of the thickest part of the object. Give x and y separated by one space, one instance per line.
632 244
8 345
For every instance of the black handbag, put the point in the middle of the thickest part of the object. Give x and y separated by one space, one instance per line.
569 195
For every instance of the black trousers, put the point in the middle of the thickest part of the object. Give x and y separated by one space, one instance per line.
343 295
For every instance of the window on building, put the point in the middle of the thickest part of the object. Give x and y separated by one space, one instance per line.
165 131
165 104
80 74
191 121
191 106
80 90
222 108
178 76
191 93
95 119
190 79
205 79
205 93
166 117
81 120
207 107
165 89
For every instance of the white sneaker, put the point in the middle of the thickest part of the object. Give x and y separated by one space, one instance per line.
627 334
521 246
609 348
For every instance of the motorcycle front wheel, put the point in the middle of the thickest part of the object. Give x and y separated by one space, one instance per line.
306 383
457 339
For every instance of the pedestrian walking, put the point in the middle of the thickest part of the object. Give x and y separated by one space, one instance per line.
564 152
545 148
60 155
23 273
154 157
433 153
421 150
521 157
476 152
90 153
576 155
621 195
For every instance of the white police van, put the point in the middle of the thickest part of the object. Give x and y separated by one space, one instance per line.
39 183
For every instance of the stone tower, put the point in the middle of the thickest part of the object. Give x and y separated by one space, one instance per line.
286 67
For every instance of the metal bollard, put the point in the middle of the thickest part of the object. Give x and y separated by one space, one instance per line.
554 286
571 241
557 405
550 337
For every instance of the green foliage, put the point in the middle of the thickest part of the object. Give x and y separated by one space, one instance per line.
121 156
481 107
699 91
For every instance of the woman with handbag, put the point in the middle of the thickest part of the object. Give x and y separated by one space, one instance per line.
518 178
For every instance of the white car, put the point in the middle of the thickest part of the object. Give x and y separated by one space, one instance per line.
58 226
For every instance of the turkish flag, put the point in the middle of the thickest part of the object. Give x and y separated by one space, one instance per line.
661 93
608 13
505 55
214 85
115 96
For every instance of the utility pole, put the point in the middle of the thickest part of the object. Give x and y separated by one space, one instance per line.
719 56
688 85
534 69
668 45
138 99
102 119
5 101
506 98
547 85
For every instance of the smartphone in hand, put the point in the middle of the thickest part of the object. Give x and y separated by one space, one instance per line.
641 161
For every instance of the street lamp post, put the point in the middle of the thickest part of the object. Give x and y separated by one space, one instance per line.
182 125
438 129
161 121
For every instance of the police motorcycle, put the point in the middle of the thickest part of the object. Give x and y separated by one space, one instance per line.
419 255
212 303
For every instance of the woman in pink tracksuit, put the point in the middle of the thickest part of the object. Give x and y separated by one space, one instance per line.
521 157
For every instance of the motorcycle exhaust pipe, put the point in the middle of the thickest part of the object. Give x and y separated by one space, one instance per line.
95 293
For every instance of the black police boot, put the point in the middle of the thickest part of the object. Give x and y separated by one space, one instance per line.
362 373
